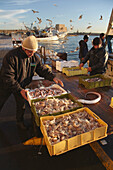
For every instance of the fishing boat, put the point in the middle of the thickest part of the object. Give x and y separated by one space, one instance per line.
51 37
48 38
48 34
62 35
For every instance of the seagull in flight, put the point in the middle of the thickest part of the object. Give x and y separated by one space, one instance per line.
80 17
35 11
49 20
101 18
39 19
89 27
55 5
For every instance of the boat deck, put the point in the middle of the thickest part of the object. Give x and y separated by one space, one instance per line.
15 155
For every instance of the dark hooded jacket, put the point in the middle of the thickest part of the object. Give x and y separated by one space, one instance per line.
96 59
17 70
83 49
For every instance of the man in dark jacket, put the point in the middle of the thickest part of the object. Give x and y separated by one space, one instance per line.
96 57
83 48
102 37
18 68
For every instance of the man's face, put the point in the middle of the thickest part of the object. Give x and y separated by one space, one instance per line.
86 40
29 53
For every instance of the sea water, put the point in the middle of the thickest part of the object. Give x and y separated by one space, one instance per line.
67 45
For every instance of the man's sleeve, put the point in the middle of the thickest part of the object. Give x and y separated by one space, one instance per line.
86 58
82 46
9 74
43 71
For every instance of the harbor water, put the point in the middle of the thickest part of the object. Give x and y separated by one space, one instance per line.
66 45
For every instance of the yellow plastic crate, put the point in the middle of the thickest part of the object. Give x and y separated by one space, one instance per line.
76 141
74 71
68 96
90 85
49 67
111 104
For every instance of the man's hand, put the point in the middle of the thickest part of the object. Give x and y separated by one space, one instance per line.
81 65
24 94
89 69
56 80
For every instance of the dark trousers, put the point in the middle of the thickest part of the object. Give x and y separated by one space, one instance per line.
20 102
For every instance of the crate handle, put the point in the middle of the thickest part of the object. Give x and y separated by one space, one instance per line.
96 116
100 137
89 141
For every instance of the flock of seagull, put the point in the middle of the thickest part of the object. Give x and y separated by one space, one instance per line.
71 27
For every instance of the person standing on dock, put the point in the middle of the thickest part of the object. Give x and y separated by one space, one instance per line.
102 37
83 48
96 57
18 68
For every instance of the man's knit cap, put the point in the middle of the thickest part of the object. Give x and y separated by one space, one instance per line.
30 43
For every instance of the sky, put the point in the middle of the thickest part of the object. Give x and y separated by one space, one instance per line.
14 14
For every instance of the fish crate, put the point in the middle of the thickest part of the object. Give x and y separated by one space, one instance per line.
74 71
61 64
32 99
111 104
76 141
104 81
67 96
54 61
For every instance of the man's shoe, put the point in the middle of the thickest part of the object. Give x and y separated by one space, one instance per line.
21 126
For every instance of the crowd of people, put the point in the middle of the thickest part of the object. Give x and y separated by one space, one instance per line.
96 56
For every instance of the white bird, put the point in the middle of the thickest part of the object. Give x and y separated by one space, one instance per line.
101 18
35 11
55 5
49 20
80 17
89 27
39 19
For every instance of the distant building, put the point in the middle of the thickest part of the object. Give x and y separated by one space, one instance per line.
61 27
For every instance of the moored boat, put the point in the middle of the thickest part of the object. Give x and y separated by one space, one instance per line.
48 38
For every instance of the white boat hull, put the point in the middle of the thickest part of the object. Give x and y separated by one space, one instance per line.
51 38
62 35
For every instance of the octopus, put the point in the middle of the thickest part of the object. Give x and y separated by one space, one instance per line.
45 92
96 79
65 127
54 105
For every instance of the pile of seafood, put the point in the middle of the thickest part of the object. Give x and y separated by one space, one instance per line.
96 79
54 105
68 126
45 92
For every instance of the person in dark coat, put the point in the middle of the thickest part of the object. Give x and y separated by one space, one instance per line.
96 57
83 48
102 37
18 68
